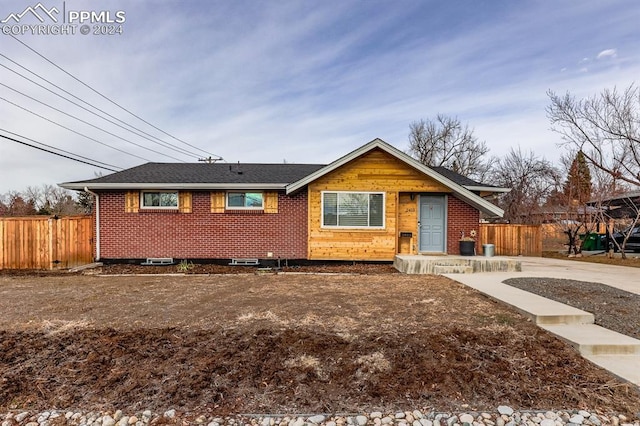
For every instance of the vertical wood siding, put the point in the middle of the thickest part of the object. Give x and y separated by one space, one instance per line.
375 171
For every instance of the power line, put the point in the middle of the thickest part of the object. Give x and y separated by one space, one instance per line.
111 101
138 132
73 131
87 123
56 153
60 149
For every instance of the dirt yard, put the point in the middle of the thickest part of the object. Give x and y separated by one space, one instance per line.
293 343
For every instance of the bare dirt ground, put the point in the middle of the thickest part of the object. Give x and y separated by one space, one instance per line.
282 343
199 268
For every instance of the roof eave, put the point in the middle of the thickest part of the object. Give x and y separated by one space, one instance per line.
487 189
464 193
172 186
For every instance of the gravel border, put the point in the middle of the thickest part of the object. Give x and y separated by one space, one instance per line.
503 416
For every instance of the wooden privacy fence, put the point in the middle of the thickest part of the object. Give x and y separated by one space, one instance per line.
512 240
45 242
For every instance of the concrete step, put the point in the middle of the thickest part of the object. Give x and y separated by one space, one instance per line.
624 366
540 310
452 269
591 339
418 264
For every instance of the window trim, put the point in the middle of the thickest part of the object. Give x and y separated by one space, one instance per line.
367 227
143 207
228 207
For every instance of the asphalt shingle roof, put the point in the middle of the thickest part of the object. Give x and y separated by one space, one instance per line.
230 173
210 173
458 178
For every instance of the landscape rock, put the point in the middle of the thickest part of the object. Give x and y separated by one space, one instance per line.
361 420
418 418
466 418
576 419
108 421
20 417
506 410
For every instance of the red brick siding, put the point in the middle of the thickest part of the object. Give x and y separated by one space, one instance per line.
461 217
202 234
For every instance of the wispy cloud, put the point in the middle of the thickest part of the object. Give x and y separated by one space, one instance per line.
309 81
607 53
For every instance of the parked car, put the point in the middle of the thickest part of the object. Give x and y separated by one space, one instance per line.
633 242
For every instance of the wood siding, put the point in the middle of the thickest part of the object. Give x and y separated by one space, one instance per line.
270 202
45 243
375 171
132 202
511 239
184 202
217 202
408 222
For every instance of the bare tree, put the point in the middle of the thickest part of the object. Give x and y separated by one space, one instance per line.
446 142
14 204
605 127
42 200
622 211
52 200
531 179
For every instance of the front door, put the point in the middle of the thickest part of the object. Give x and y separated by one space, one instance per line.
431 224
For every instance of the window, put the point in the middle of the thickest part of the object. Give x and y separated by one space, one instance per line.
353 209
160 200
244 200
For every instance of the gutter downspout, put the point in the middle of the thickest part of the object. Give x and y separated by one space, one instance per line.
97 221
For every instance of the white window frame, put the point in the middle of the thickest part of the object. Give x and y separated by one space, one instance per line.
176 207
228 207
368 193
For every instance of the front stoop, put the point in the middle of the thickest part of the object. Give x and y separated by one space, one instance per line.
440 265
452 269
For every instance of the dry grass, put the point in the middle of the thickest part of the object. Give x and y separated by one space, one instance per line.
286 343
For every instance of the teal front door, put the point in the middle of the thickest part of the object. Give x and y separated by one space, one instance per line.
431 224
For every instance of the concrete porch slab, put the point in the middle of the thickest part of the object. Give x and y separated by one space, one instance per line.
439 265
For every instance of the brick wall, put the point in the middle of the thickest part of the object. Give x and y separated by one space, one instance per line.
205 235
202 234
461 217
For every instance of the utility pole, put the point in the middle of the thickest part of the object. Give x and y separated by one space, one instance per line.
208 160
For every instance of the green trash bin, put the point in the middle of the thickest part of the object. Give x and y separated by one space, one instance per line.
591 242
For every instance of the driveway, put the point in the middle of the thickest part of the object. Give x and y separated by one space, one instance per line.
622 277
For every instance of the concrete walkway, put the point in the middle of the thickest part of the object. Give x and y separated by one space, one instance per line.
613 351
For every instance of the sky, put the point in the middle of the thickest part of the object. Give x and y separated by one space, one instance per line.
295 81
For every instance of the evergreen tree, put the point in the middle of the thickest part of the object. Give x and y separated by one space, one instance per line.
577 187
85 202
